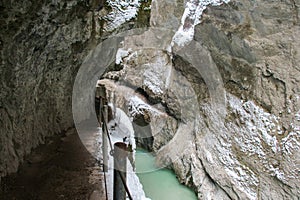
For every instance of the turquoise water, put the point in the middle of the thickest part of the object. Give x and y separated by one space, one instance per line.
160 184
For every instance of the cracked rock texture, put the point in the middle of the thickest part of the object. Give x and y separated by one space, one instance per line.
42 45
255 47
248 147
236 137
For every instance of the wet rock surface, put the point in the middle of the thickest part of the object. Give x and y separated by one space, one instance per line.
60 169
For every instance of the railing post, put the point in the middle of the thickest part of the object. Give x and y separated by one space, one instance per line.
120 168
101 95
100 110
104 140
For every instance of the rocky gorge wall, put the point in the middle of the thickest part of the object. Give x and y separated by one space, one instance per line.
255 46
42 46
237 138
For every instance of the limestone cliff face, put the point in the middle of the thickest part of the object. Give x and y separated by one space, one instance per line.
255 47
230 132
42 46
234 139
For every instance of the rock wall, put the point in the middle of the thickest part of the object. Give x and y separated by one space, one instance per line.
247 147
255 47
42 46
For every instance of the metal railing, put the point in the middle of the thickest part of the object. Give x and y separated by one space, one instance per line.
118 169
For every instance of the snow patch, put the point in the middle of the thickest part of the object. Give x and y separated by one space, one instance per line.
138 107
297 116
260 125
152 83
291 142
257 134
244 178
240 178
121 53
190 18
275 171
133 183
122 11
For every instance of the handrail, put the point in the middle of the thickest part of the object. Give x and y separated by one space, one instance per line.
111 146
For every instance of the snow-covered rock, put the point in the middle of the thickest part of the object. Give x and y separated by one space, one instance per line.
250 152
190 18
122 11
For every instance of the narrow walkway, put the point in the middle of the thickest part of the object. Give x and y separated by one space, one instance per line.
61 169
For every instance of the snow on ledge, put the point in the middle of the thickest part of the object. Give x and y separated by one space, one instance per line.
122 11
121 53
190 18
138 107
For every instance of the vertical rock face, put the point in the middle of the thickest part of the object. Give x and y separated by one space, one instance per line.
255 46
236 137
260 38
247 148
42 46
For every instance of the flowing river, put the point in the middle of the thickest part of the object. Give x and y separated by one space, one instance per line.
159 184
